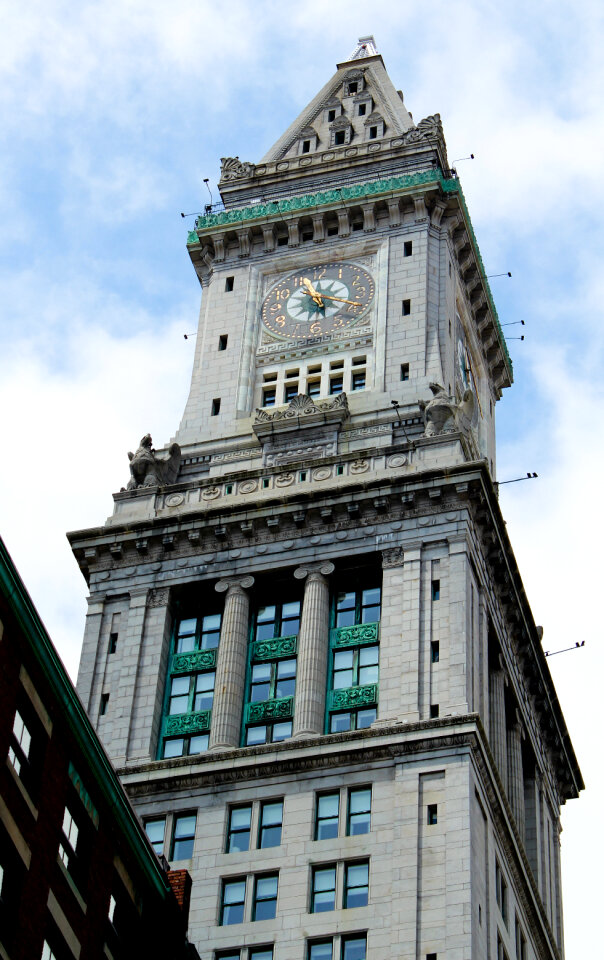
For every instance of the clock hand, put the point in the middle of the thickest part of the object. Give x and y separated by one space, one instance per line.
355 303
310 290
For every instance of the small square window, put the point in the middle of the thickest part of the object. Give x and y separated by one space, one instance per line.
291 391
269 397
358 361
340 470
323 896
302 475
352 88
112 642
238 837
265 483
435 651
356 885
222 341
228 489
183 837
313 388
408 248
306 146
406 308
233 902
229 283
336 385
265 897
156 830
432 814
362 109
434 711
339 138
436 589
358 380
215 406
271 823
431 956
336 365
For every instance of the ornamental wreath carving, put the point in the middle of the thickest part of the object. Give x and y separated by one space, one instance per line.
353 636
198 660
232 168
189 723
271 710
271 649
354 697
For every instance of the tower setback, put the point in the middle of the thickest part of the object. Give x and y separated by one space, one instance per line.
308 649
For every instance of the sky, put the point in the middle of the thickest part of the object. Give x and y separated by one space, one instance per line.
113 113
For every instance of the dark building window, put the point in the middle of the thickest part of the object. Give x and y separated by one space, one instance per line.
271 823
436 589
104 704
408 248
156 831
404 371
183 836
233 902
215 406
291 390
435 651
354 663
331 116
222 341
358 380
362 109
112 642
272 672
229 283
336 385
269 396
432 814
354 947
306 146
434 711
340 137
406 308
373 132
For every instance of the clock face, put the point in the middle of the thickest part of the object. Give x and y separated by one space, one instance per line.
325 299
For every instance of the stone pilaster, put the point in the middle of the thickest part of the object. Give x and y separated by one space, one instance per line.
231 661
497 726
400 634
313 642
515 773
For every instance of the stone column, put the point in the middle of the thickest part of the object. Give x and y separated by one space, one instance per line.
313 643
497 722
231 662
515 773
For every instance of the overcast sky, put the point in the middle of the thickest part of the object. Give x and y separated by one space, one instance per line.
112 115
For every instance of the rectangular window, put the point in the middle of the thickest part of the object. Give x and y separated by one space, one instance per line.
436 589
229 283
320 950
313 388
408 248
112 906
406 308
520 942
222 341
354 664
501 893
354 947
339 138
47 953
356 885
404 371
352 88
291 391
306 146
240 825
69 839
373 132
323 896
331 116
260 953
215 406
156 831
273 679
265 897
434 711
269 396
358 380
271 823
183 837
302 476
233 902
112 642
362 109
336 385
104 704
327 816
432 814
20 743
435 651
340 470
359 811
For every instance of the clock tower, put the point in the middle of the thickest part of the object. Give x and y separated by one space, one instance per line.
308 649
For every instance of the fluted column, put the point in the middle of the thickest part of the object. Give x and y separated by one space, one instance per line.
516 773
313 641
231 661
497 722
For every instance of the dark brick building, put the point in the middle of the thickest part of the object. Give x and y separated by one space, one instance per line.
78 876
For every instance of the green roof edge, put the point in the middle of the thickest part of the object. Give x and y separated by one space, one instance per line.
77 718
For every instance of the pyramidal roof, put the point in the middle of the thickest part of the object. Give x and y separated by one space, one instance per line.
373 81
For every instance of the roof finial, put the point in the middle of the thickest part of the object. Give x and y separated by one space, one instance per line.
365 48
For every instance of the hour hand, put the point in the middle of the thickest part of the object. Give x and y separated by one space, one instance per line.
355 303
310 290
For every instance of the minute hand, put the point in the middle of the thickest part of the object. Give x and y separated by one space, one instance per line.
355 303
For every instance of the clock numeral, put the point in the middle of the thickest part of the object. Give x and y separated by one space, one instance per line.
356 280
361 291
280 320
283 294
319 274
315 328
339 321
274 307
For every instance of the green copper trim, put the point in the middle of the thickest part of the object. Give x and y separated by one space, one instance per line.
275 649
196 660
192 237
281 709
185 723
352 697
355 636
83 794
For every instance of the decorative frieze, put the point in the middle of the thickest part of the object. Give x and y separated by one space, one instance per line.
196 660
352 697
275 649
356 635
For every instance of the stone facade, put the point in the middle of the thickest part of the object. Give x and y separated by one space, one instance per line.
315 489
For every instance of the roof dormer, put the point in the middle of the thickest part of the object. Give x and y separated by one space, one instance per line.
333 109
354 83
340 132
362 104
374 126
308 141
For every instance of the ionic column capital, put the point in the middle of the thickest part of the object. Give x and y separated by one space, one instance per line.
234 584
314 571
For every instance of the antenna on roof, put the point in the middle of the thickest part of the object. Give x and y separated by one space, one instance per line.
365 48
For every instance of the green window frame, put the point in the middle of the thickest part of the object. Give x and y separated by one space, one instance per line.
358 819
190 683
271 824
323 893
271 676
266 890
240 829
356 885
327 817
354 659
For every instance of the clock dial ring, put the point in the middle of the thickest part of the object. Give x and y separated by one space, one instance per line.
314 301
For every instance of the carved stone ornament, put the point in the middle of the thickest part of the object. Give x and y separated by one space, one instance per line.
158 597
232 168
393 558
271 709
188 723
147 470
443 414
273 649
196 660
430 128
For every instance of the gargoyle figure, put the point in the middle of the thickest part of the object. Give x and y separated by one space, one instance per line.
147 470
443 414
